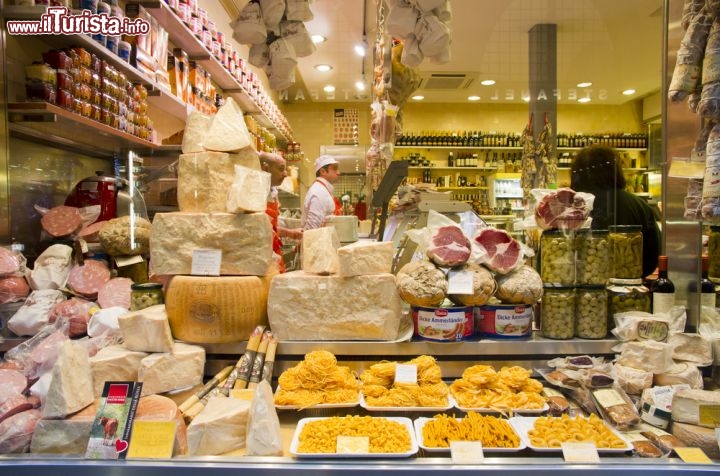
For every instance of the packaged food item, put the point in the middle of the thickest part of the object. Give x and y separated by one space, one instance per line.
664 440
615 407
144 295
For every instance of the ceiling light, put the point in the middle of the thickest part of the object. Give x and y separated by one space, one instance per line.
360 85
418 98
584 100
526 98
361 49
629 92
585 84
323 67
318 39
473 98
487 82
329 88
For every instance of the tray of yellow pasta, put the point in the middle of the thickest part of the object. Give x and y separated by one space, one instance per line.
496 434
354 437
301 400
548 433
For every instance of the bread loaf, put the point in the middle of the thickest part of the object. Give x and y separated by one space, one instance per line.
420 283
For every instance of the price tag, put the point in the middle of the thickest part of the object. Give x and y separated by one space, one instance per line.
466 452
352 445
122 261
460 282
693 455
580 453
152 439
206 262
709 415
406 373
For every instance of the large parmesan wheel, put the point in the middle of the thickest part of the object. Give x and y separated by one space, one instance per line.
216 310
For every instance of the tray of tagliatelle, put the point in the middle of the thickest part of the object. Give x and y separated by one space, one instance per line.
354 437
495 433
309 400
373 407
547 434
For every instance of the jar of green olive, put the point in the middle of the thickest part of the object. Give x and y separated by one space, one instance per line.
626 251
591 312
625 295
557 257
557 318
593 257
144 295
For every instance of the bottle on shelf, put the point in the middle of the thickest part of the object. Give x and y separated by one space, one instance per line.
663 289
707 287
451 160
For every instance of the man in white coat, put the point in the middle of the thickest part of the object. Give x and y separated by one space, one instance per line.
320 201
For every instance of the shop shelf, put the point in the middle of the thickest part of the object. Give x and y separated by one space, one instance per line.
457 147
477 169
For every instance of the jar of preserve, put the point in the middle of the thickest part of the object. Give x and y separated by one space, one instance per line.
592 265
144 295
591 312
626 251
557 318
625 295
557 258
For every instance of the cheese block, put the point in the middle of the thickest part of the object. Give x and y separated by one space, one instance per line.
697 437
686 405
159 408
227 131
216 310
163 372
204 179
304 306
249 191
691 348
651 356
365 257
196 129
146 330
633 381
66 436
114 363
219 428
680 373
71 387
245 241
319 251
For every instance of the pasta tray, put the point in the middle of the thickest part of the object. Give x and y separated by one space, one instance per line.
319 405
364 404
406 422
420 423
543 409
524 424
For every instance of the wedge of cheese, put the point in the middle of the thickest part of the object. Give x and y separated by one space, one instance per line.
680 373
71 387
320 251
146 330
304 306
227 131
686 405
163 372
66 436
196 130
204 179
249 191
691 348
365 257
245 241
220 427
697 437
114 363
650 356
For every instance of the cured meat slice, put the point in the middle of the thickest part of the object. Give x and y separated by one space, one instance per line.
87 279
13 289
12 381
449 246
76 311
16 432
115 292
13 405
47 350
503 251
563 209
62 221
9 262
91 233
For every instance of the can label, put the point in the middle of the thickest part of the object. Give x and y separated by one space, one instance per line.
443 324
505 321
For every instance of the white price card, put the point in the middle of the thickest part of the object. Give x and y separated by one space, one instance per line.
460 282
122 261
206 262
406 373
352 445
466 452
580 452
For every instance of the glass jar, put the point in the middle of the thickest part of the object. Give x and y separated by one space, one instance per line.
592 265
591 312
714 251
625 295
557 258
557 320
144 295
626 251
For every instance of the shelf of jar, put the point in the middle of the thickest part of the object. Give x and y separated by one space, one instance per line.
462 188
509 197
477 169
458 147
616 148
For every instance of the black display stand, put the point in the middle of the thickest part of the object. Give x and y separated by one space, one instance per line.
394 175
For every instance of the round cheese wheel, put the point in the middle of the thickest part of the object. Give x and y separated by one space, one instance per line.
217 309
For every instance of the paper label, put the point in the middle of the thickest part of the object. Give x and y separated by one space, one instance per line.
466 452
709 415
152 439
551 392
656 431
580 452
352 445
609 397
122 261
406 373
112 428
662 302
693 455
632 436
653 330
206 262
460 282
711 182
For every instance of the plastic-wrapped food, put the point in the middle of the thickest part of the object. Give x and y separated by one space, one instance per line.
564 208
420 283
484 286
504 253
615 407
128 235
522 286
689 57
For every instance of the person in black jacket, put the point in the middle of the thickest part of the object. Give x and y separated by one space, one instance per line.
597 170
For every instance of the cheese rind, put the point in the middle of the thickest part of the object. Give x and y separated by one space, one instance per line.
147 330
204 179
303 306
365 257
651 356
67 436
249 191
697 437
319 254
163 372
686 405
245 241
680 373
691 348
196 129
227 131
219 428
71 387
114 363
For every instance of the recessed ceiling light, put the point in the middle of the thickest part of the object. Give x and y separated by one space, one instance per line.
526 98
473 98
629 92
418 97
323 67
584 100
329 88
586 84
360 86
318 39
487 82
360 49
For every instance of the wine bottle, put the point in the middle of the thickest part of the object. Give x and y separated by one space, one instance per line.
707 287
451 160
663 289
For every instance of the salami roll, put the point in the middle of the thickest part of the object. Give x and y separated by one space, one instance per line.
115 292
91 233
13 381
9 262
88 278
13 289
61 221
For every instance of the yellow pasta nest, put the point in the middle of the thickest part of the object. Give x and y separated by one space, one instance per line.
316 380
492 431
509 389
385 436
551 432
380 390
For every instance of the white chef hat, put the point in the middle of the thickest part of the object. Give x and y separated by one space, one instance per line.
324 160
